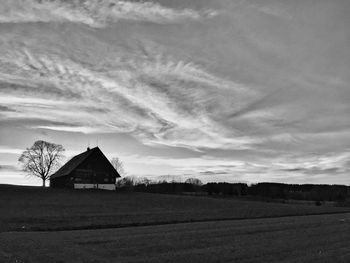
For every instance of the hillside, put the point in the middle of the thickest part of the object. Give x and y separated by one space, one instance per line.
318 238
33 208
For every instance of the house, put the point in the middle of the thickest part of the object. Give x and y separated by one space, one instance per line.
90 169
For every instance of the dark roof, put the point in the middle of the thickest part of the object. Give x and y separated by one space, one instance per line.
74 162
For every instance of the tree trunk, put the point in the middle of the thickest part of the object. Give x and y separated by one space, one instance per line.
44 181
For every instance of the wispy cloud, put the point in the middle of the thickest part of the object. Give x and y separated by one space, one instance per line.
4 109
258 93
157 98
274 168
81 129
95 14
8 167
9 150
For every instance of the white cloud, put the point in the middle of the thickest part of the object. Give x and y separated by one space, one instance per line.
277 9
95 14
9 150
80 129
236 85
156 98
283 168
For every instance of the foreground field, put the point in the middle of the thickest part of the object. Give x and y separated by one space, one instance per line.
29 208
321 238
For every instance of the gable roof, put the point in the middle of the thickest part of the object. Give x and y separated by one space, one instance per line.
76 161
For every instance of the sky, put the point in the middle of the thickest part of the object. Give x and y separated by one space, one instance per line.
221 90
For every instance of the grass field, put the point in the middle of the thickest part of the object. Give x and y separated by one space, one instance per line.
31 208
47 225
321 238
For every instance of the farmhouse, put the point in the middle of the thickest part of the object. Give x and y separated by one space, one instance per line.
90 169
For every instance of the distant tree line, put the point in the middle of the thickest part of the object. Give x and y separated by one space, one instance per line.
301 192
261 190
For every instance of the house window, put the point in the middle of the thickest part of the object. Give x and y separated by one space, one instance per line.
105 180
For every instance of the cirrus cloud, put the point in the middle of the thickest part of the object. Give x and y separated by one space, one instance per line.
158 99
94 14
258 93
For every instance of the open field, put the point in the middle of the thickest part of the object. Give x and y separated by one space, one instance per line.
31 208
321 238
48 225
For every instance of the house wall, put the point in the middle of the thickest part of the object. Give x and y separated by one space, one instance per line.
94 170
95 186
60 182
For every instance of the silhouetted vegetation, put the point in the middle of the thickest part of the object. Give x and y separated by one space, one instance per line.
300 192
310 192
118 165
41 159
168 188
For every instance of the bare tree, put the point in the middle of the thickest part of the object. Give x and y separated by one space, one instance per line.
41 159
143 180
194 181
118 165
126 182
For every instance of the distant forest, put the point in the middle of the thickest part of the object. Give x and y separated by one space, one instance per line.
310 192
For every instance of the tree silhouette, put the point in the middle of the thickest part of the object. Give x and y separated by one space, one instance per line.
194 181
41 159
118 165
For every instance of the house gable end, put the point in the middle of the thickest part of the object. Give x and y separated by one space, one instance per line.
90 167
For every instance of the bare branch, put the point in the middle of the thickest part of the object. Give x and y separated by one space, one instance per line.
41 159
118 165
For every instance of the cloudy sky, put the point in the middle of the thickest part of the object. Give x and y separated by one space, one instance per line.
221 90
